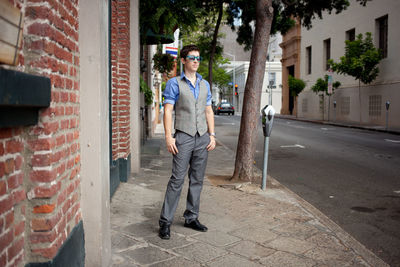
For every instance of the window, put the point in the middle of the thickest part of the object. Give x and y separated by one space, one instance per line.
382 34
271 79
327 53
375 105
351 34
308 59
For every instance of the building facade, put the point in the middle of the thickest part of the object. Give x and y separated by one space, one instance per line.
326 40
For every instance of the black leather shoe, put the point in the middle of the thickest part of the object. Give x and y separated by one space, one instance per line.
196 225
164 232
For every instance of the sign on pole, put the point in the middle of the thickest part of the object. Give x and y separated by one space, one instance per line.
330 81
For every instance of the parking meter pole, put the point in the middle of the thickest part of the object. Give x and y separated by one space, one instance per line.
265 165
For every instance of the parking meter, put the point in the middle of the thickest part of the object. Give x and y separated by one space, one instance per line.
387 105
387 114
334 104
268 113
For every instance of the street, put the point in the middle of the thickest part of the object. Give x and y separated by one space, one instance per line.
351 175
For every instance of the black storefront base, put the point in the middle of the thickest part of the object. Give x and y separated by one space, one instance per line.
119 172
71 253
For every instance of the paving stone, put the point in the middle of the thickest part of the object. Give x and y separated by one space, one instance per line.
289 244
331 256
200 252
257 234
147 255
217 238
281 258
358 262
141 229
217 222
124 243
326 241
251 250
174 242
176 262
298 230
120 261
232 261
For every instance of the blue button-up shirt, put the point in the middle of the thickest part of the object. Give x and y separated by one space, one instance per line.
171 92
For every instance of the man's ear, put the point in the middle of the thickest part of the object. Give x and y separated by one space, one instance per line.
183 60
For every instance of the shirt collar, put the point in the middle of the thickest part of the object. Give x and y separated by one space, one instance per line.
198 76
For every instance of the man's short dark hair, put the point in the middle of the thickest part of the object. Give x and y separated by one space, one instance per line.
188 48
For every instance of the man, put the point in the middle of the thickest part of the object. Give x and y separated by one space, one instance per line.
190 96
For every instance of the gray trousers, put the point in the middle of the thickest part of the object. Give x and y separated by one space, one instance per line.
192 152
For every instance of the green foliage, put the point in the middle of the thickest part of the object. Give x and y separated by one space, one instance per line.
321 86
296 86
360 59
164 63
284 11
165 16
145 89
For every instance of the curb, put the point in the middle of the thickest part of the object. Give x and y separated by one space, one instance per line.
340 124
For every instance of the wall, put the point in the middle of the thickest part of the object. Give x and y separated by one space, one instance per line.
40 165
386 85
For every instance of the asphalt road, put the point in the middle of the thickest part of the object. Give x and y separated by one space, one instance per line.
351 175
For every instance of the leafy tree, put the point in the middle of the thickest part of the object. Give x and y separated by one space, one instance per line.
295 86
321 88
145 89
360 60
269 15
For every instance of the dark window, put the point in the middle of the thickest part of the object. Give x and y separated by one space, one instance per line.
351 34
382 26
308 59
327 52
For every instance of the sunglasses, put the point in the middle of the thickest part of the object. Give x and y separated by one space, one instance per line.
192 58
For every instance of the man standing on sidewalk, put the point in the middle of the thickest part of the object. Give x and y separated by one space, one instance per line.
190 95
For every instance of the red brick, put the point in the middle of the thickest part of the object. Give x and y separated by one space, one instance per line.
49 253
9 219
16 248
2 168
1 149
40 160
5 133
3 259
43 237
42 144
46 192
19 228
6 204
60 140
6 239
18 162
15 180
61 197
43 176
45 224
18 260
35 12
3 188
19 196
47 208
9 166
66 206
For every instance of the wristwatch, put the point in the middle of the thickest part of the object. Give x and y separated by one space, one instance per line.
212 134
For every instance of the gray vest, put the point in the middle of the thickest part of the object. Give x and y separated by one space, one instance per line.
190 116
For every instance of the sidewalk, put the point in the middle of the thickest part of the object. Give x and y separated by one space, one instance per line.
344 124
247 227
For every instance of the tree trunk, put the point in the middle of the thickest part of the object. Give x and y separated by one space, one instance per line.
252 94
214 43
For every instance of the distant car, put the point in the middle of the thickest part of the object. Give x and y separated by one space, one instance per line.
225 108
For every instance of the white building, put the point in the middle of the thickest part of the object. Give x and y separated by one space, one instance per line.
326 39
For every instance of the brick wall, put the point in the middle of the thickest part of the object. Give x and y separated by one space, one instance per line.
40 165
120 58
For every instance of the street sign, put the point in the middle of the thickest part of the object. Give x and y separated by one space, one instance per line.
330 81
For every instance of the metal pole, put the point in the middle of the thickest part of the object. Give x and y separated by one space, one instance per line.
265 165
180 61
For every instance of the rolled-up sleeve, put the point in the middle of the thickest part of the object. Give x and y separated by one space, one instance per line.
209 96
171 92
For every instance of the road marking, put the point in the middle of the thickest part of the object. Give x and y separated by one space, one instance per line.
296 145
325 129
397 192
228 123
393 141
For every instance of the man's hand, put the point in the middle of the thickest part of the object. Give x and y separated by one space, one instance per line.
171 145
212 143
